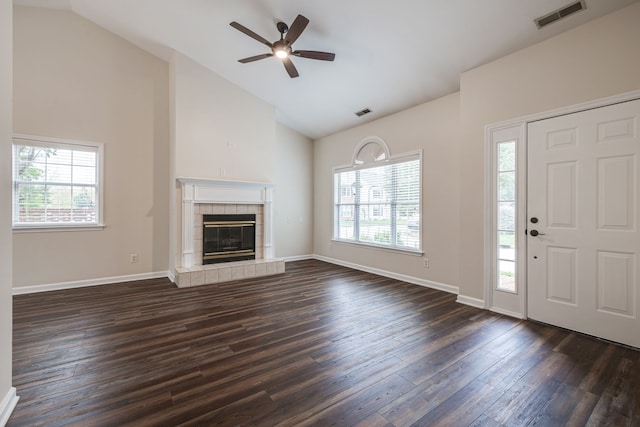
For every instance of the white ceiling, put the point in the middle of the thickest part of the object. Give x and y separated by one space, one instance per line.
390 55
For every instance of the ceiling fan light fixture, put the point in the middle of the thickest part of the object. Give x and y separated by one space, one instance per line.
281 53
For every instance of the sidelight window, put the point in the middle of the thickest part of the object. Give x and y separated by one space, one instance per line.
506 215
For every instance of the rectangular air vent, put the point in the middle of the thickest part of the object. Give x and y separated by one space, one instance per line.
363 112
557 15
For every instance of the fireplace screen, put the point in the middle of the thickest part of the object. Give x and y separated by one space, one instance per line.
228 238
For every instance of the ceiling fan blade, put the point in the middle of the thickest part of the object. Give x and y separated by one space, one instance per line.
296 28
291 69
255 58
250 33
314 54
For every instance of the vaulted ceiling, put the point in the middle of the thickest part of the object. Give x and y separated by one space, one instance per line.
390 55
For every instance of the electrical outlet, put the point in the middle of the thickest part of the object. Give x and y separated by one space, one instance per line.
425 261
133 258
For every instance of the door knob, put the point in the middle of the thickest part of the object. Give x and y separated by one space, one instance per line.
535 233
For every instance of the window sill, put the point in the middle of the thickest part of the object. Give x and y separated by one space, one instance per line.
48 228
415 252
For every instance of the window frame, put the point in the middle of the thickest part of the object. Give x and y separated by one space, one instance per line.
40 141
356 166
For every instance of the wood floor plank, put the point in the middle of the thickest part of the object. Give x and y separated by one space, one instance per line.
462 408
356 407
374 420
318 345
619 401
529 395
568 406
431 393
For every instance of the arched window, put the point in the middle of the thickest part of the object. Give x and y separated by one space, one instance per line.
370 150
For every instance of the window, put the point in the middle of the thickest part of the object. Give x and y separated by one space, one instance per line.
56 183
383 208
506 215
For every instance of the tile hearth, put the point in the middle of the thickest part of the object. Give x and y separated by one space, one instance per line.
216 273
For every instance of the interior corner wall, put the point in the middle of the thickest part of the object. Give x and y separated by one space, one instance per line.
6 300
75 80
593 61
293 204
433 128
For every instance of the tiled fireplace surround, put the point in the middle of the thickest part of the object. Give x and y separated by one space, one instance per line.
203 197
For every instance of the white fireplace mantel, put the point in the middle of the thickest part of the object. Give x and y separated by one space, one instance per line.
195 191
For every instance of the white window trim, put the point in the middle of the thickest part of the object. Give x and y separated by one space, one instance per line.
400 158
57 142
416 252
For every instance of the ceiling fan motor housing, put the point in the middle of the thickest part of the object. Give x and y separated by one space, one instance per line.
282 28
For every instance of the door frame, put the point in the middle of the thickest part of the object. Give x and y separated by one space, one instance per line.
509 303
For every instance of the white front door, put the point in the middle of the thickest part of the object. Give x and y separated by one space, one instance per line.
583 222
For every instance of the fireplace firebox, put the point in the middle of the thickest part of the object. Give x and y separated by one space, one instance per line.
228 238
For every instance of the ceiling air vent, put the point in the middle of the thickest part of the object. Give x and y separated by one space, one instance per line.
557 15
363 112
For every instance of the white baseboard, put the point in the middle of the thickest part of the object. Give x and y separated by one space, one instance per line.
297 258
473 302
7 406
86 283
409 279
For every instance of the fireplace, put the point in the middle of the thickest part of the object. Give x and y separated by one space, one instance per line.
228 238
204 197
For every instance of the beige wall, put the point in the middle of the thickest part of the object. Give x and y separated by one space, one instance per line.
431 127
293 216
595 60
221 131
6 36
75 80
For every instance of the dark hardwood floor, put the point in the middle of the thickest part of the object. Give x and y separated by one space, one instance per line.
318 345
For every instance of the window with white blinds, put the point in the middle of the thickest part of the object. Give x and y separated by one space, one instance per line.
379 205
56 183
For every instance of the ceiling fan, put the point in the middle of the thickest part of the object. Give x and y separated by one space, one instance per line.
283 48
